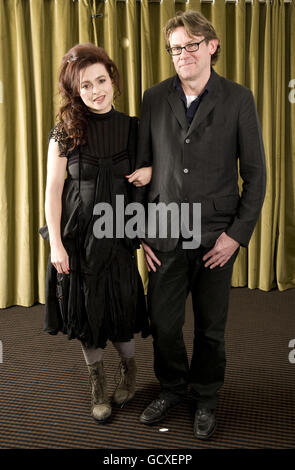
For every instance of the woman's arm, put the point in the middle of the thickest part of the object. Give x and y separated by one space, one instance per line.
141 176
56 169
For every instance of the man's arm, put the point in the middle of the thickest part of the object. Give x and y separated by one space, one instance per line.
144 159
253 173
252 170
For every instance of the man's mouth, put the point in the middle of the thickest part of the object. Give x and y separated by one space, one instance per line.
186 63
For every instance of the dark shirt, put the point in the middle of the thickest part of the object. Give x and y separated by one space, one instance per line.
192 109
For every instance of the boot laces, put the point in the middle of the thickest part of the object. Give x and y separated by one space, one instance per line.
121 373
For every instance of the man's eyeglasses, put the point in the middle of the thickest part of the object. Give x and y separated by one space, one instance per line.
177 50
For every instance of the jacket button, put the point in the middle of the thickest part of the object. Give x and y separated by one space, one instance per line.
185 170
187 141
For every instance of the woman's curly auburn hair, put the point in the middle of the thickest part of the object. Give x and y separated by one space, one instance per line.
72 113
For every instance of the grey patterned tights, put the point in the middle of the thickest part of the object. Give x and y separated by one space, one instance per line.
92 355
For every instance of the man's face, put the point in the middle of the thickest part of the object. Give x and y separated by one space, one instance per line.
191 65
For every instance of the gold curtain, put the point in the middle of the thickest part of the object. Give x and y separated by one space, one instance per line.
258 51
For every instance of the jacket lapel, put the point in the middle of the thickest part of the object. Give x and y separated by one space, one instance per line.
207 103
177 107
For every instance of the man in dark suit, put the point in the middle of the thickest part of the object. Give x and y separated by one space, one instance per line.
198 130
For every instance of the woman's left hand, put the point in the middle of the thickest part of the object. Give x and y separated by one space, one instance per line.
141 176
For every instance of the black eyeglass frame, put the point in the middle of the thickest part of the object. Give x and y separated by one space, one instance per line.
169 49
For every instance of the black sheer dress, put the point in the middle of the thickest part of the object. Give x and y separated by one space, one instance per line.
102 298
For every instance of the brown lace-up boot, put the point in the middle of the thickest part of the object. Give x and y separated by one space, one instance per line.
101 408
126 387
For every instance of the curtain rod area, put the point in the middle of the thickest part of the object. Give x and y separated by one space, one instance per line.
203 1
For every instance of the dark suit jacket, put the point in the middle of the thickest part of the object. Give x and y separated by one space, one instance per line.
201 163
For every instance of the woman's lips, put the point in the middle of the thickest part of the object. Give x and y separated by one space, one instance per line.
99 99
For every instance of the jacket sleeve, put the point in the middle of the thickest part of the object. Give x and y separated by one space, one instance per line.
252 171
132 142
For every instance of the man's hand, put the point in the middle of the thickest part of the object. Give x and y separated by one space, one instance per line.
140 177
150 257
222 251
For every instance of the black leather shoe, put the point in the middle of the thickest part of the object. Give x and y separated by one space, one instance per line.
156 411
205 423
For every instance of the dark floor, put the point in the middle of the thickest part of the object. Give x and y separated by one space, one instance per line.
45 402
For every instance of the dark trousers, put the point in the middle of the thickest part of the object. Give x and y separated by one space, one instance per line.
183 271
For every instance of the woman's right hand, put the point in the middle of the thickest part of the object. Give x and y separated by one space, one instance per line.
60 259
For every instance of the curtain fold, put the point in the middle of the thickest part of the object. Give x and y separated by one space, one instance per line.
132 61
258 51
285 147
218 19
260 266
110 38
162 61
236 69
257 48
147 76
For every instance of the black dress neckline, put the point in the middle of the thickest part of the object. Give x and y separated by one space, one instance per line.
100 116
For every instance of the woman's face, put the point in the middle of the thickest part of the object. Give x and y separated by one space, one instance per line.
96 88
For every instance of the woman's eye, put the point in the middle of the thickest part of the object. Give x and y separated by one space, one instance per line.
102 80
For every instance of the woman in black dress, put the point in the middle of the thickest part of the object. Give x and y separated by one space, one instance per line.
93 289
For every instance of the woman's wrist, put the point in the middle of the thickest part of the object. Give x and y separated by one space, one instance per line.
55 243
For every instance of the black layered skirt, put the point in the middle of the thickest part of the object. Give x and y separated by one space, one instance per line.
95 308
102 298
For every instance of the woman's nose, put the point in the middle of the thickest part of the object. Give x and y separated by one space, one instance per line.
95 89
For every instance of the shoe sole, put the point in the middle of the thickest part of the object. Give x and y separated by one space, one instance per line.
204 438
101 421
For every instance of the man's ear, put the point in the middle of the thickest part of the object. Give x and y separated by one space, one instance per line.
213 44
